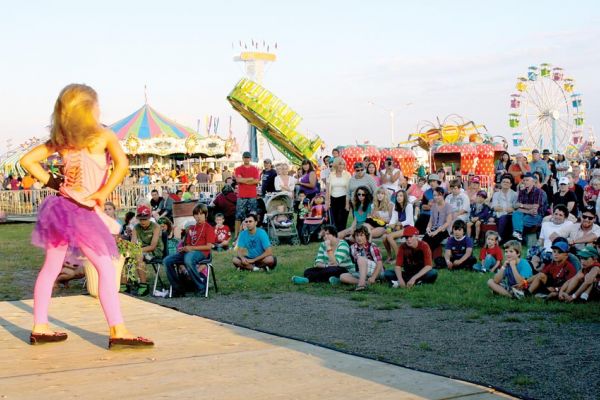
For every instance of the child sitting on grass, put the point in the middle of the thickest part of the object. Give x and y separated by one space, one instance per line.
459 249
222 233
511 278
490 255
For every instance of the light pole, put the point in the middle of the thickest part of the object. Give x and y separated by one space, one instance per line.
392 116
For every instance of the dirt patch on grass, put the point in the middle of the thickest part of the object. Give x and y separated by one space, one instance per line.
527 355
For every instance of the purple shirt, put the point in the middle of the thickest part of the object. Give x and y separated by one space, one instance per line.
534 196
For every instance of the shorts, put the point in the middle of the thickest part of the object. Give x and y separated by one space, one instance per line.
371 268
245 206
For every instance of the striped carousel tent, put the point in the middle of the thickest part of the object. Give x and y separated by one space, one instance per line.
147 123
147 132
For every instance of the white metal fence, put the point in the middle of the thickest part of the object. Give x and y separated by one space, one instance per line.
25 203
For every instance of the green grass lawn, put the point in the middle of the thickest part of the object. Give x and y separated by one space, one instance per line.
20 262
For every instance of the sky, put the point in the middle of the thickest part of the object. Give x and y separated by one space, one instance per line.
334 58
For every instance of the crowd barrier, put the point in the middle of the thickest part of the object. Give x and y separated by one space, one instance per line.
25 203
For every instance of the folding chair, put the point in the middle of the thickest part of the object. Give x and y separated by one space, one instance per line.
156 263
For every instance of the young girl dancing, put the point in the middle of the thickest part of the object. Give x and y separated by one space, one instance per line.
73 220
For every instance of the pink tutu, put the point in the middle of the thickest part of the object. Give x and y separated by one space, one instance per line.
61 221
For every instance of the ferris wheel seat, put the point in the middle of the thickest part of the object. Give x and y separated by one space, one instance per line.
515 103
557 76
532 76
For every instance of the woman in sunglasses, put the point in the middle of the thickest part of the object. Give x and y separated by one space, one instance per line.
362 207
360 178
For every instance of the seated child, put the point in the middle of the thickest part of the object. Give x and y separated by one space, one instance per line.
490 255
511 278
222 233
282 218
459 249
585 283
317 210
481 213
555 274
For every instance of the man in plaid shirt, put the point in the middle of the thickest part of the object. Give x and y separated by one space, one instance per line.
529 209
367 258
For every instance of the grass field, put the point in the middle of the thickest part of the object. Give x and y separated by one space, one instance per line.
20 262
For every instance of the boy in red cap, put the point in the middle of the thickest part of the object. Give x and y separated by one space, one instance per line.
413 262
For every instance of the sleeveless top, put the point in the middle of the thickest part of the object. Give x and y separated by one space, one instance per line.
145 237
84 174
308 191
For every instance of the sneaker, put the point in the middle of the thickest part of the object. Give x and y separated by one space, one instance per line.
267 269
395 284
255 269
517 235
161 293
541 295
517 294
584 297
334 280
143 290
124 288
299 280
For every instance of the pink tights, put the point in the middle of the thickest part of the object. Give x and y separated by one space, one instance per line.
107 290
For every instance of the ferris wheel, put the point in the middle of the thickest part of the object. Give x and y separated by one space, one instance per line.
546 113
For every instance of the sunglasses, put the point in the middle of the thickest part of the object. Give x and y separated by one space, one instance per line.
359 170
587 217
361 194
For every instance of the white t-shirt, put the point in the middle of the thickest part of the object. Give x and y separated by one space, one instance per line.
338 186
394 185
574 232
459 202
548 228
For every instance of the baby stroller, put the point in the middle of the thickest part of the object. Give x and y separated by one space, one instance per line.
311 226
279 219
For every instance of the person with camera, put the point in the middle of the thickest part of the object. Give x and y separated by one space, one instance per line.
390 176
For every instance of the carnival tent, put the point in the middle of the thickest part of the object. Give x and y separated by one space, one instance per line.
147 123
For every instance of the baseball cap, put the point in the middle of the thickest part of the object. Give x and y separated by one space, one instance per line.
389 158
529 175
546 152
476 180
519 155
561 246
482 193
143 211
434 177
563 181
588 252
409 231
246 154
535 151
358 164
267 161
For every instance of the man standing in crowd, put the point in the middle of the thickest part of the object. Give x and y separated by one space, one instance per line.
226 173
247 177
202 176
529 207
539 165
519 168
155 202
267 178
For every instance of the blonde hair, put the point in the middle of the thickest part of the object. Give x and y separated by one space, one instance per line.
489 234
74 123
337 161
385 204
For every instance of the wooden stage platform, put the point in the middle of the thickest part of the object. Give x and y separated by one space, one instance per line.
194 358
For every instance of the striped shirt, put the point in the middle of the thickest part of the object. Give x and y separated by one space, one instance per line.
342 255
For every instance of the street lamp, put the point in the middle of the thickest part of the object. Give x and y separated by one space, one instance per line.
392 115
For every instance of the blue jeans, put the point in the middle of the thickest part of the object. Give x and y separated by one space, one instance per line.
487 264
190 260
521 220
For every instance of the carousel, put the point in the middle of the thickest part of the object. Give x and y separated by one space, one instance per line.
153 140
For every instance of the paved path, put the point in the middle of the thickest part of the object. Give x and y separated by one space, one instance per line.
194 358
